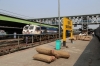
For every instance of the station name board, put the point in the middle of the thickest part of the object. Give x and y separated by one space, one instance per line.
68 27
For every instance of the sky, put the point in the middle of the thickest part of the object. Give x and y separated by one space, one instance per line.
49 8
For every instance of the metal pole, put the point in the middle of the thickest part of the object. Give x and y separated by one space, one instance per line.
87 25
59 16
82 23
32 39
40 32
18 40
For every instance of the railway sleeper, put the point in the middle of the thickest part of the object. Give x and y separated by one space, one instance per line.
2 52
23 46
5 51
29 45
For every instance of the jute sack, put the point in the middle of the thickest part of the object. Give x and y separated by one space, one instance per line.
62 54
56 54
43 50
83 37
72 38
47 51
87 38
80 37
76 37
44 58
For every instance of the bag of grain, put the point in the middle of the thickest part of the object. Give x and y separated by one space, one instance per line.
62 54
44 58
44 50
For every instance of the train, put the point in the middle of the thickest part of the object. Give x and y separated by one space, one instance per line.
36 29
3 34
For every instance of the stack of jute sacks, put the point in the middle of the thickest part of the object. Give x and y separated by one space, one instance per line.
49 55
73 38
84 38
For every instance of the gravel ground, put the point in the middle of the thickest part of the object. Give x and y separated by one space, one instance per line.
83 53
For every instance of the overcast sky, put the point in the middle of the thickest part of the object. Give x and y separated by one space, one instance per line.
49 8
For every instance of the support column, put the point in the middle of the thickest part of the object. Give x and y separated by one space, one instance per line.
64 37
64 31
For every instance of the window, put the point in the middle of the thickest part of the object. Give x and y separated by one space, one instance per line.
26 27
43 28
37 28
31 27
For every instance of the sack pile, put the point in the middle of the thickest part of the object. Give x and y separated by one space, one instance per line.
87 38
84 38
74 38
49 55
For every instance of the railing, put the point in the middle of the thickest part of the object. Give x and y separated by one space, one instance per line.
12 45
23 36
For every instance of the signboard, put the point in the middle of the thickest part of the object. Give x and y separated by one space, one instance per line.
67 25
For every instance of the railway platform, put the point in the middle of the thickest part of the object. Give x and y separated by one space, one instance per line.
82 53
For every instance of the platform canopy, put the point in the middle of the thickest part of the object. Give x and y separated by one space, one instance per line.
16 20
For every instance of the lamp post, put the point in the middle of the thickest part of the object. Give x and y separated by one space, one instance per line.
82 22
59 16
58 42
87 24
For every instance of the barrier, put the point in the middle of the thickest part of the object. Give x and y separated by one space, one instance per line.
58 44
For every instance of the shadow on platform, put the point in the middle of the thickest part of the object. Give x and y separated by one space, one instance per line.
91 54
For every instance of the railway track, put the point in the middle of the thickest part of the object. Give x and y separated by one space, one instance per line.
20 44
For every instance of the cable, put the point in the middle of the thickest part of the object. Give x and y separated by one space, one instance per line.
12 13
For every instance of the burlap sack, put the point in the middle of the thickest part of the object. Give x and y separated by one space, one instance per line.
76 37
80 37
83 37
47 51
62 54
44 58
57 55
73 38
44 50
87 38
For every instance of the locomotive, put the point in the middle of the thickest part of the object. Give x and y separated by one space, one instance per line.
36 29
2 34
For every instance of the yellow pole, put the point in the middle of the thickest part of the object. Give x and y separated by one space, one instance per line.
71 30
64 31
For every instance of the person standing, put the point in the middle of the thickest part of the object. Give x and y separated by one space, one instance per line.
26 39
93 34
15 35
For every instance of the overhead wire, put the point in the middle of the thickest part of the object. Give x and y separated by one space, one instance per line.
14 14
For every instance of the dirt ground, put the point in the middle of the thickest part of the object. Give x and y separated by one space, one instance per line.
82 53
